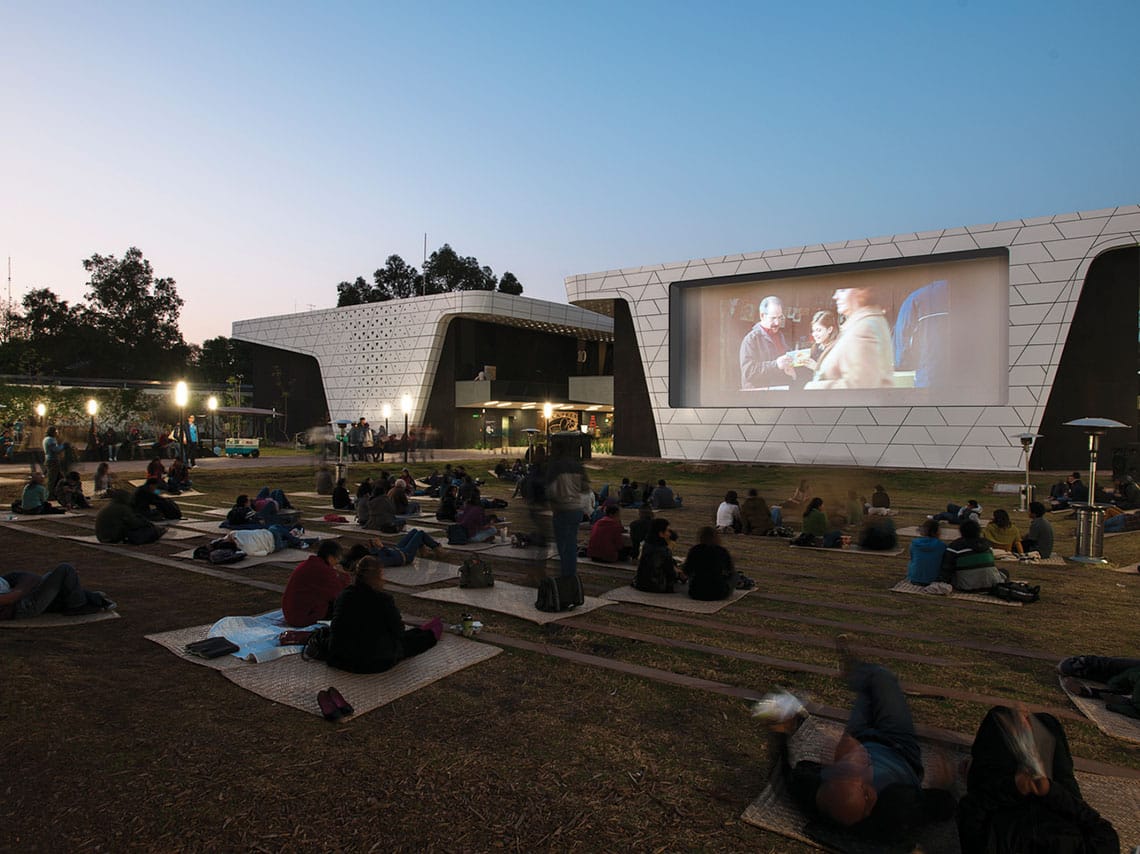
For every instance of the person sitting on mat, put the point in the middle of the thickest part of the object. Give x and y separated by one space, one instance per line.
926 552
34 499
656 570
341 500
873 785
477 523
399 496
607 543
368 633
728 518
448 509
756 514
709 566
968 563
148 501
313 586
118 522
1039 538
1000 533
639 530
1021 794
25 594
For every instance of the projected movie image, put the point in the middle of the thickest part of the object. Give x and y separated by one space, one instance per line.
924 333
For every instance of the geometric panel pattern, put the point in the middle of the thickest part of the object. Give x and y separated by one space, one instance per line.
1048 260
372 354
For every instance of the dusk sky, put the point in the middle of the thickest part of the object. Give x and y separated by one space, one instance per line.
259 153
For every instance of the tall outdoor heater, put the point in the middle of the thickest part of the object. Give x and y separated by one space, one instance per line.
1090 517
341 441
1027 440
547 414
181 398
406 405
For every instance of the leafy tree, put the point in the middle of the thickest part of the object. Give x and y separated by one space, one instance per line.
134 316
221 358
354 293
396 280
509 284
447 271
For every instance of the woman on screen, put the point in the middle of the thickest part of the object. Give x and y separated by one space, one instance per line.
824 332
861 356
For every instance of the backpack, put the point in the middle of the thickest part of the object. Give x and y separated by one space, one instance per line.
652 573
456 535
1017 591
804 540
561 593
318 644
474 572
495 504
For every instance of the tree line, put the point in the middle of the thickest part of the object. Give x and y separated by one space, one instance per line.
126 327
444 271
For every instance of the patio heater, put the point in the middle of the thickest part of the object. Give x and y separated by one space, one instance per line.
1090 517
1027 440
92 439
547 413
341 440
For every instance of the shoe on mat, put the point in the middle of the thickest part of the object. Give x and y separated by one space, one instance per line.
108 603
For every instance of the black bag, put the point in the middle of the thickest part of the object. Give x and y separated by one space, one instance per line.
475 573
804 540
495 504
560 593
317 646
212 647
1016 591
456 535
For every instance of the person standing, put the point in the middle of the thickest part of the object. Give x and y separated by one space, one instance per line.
190 440
55 452
764 360
565 482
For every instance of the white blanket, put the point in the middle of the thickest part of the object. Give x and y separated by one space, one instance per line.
256 636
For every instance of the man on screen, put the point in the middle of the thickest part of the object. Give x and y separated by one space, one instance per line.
764 359
862 356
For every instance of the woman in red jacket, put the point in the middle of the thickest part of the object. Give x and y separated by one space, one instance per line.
313 586
607 542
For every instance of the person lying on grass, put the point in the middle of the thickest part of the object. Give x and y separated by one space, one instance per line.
24 594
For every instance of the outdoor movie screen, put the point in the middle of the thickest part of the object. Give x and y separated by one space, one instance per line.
913 332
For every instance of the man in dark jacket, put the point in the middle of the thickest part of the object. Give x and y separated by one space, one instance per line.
25 594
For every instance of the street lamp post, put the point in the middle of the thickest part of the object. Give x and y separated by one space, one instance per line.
386 411
212 406
92 440
181 398
406 405
547 412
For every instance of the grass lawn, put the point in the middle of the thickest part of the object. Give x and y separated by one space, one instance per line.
111 742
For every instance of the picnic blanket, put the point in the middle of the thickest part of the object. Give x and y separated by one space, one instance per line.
32 517
506 598
678 601
51 620
1110 723
1052 560
905 586
256 636
422 572
292 681
506 550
